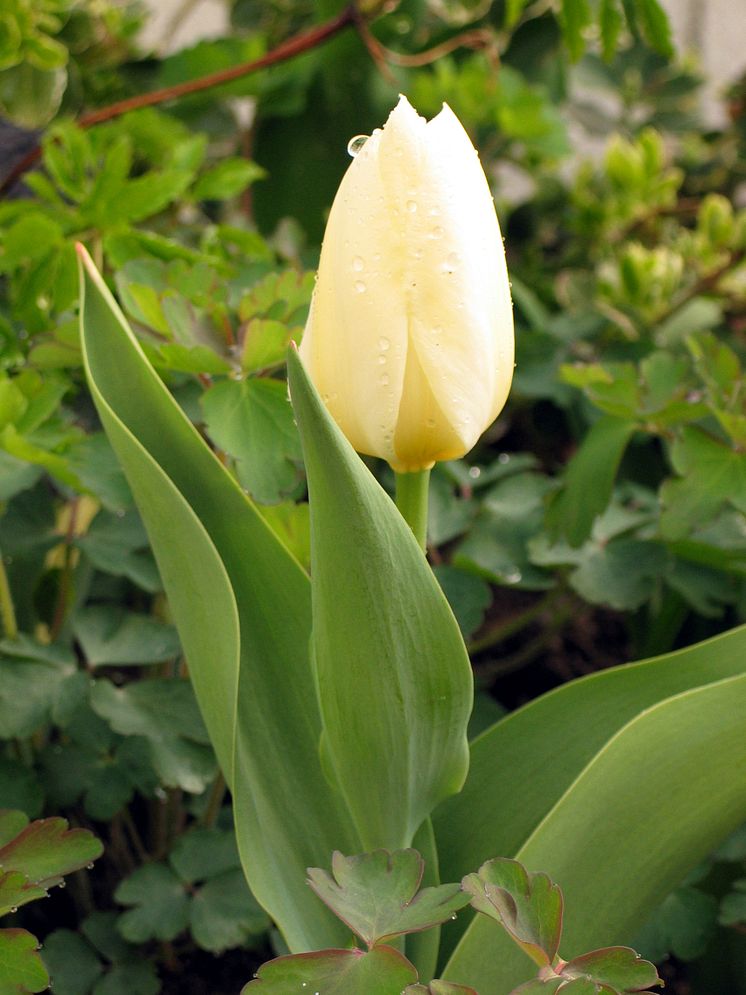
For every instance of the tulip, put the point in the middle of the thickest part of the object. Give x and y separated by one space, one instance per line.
409 338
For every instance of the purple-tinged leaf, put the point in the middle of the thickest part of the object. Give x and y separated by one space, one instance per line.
619 967
539 986
376 894
380 971
22 970
15 890
548 986
528 906
46 850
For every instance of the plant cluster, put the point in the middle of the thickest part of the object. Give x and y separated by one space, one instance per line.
601 519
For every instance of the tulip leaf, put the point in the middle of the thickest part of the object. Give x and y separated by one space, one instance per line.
393 675
380 971
529 906
439 988
378 894
241 604
601 837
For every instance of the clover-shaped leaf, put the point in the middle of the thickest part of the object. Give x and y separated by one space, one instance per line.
15 890
577 986
380 971
528 906
620 968
46 850
376 894
21 968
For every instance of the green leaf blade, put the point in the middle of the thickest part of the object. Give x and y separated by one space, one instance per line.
394 683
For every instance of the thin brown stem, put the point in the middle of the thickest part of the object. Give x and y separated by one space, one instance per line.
705 284
475 38
504 630
63 591
214 802
302 42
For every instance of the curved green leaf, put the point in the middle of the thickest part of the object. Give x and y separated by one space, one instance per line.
655 799
242 606
394 678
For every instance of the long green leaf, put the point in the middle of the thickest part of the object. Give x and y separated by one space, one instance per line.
522 765
242 606
393 675
654 800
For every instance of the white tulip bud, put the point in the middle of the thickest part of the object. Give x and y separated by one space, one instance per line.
409 339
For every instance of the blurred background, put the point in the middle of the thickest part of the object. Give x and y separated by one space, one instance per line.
602 518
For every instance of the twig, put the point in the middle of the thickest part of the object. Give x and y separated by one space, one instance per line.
296 45
60 608
476 38
705 283
505 630
214 802
7 609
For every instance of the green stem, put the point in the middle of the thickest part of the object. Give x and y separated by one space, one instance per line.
411 500
7 611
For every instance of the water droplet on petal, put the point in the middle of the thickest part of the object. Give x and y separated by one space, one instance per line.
385 380
436 232
359 286
382 360
383 344
475 472
411 206
452 259
358 264
355 144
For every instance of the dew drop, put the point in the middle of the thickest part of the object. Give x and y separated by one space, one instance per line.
475 472
383 344
452 259
359 286
62 884
513 576
357 264
381 360
411 206
14 908
385 380
89 867
355 144
503 458
453 917
436 232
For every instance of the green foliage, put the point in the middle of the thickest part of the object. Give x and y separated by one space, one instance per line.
609 494
34 857
377 895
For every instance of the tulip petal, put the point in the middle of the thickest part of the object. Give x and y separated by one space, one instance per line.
410 335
